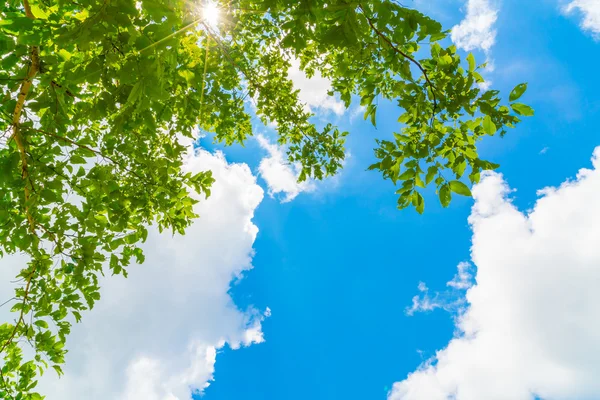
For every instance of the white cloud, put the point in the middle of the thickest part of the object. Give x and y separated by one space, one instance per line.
451 299
313 90
423 301
476 31
530 327
155 335
357 111
463 279
590 9
485 86
280 176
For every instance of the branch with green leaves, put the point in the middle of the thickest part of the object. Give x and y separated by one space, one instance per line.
96 98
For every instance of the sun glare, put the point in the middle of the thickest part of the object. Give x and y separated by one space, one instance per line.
210 13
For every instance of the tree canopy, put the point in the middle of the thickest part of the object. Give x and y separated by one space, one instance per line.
96 96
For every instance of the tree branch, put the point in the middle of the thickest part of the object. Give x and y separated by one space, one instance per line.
16 120
21 315
97 152
402 53
34 68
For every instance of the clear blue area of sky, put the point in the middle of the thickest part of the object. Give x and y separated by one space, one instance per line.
339 266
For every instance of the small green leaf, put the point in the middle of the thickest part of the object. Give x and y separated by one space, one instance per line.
38 12
419 182
471 153
41 323
408 174
431 171
136 90
460 188
522 109
517 92
58 370
471 60
78 160
488 125
418 202
445 195
478 77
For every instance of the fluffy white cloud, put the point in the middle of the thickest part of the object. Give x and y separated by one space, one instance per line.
476 31
155 335
530 326
280 176
313 90
590 9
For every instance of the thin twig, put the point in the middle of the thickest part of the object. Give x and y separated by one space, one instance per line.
20 320
83 146
8 301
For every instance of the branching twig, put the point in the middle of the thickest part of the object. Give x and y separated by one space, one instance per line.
403 54
83 146
21 315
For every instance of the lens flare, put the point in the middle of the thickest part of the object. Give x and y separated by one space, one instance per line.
210 13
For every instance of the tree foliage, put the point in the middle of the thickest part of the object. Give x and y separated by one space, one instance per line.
97 96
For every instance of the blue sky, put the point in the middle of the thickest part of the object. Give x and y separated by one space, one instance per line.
286 291
339 266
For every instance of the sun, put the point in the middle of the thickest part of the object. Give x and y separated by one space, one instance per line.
210 13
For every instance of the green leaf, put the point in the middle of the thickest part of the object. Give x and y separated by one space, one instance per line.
41 323
471 60
408 174
38 12
522 109
517 92
58 370
445 60
445 195
460 188
78 160
471 153
418 202
134 95
431 171
374 166
488 125
418 181
9 61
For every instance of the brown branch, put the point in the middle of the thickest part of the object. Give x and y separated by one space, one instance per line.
402 53
34 68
